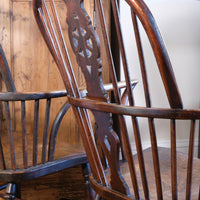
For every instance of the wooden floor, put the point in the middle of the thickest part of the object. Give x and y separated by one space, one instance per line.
64 185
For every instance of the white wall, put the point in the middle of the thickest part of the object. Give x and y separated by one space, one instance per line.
179 24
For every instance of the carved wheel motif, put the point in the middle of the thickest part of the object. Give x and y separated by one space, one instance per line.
85 45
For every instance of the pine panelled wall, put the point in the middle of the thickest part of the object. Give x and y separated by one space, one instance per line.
31 64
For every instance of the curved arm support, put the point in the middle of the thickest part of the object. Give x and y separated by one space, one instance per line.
25 96
124 98
54 130
105 192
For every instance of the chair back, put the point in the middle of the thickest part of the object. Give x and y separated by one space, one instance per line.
26 147
106 172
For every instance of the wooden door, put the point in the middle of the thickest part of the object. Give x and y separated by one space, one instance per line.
31 65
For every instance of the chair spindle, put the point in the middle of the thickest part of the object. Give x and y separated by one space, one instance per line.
46 130
24 134
35 132
10 135
190 160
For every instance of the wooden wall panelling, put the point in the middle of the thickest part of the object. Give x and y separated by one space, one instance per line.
5 27
32 66
105 68
5 42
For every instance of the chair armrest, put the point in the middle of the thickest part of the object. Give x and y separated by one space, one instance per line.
121 85
23 96
136 111
109 87
54 129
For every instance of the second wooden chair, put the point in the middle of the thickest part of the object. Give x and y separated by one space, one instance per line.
26 152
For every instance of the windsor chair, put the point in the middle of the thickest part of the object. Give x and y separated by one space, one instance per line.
117 172
28 156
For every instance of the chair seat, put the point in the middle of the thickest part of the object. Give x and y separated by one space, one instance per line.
165 168
66 155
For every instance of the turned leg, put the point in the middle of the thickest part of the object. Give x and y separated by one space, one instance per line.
89 192
12 191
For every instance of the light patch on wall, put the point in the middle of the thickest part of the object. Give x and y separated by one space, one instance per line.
179 24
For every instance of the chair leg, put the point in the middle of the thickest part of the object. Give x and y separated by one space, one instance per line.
12 191
89 192
97 197
18 190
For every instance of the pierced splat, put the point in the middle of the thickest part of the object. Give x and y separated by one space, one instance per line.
85 45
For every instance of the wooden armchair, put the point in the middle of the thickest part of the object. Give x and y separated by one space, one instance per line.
29 155
153 173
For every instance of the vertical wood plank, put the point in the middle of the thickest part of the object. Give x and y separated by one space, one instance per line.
35 69
5 35
32 66
105 62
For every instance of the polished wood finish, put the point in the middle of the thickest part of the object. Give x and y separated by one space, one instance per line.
154 173
30 155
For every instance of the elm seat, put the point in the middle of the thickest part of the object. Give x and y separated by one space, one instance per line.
164 155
